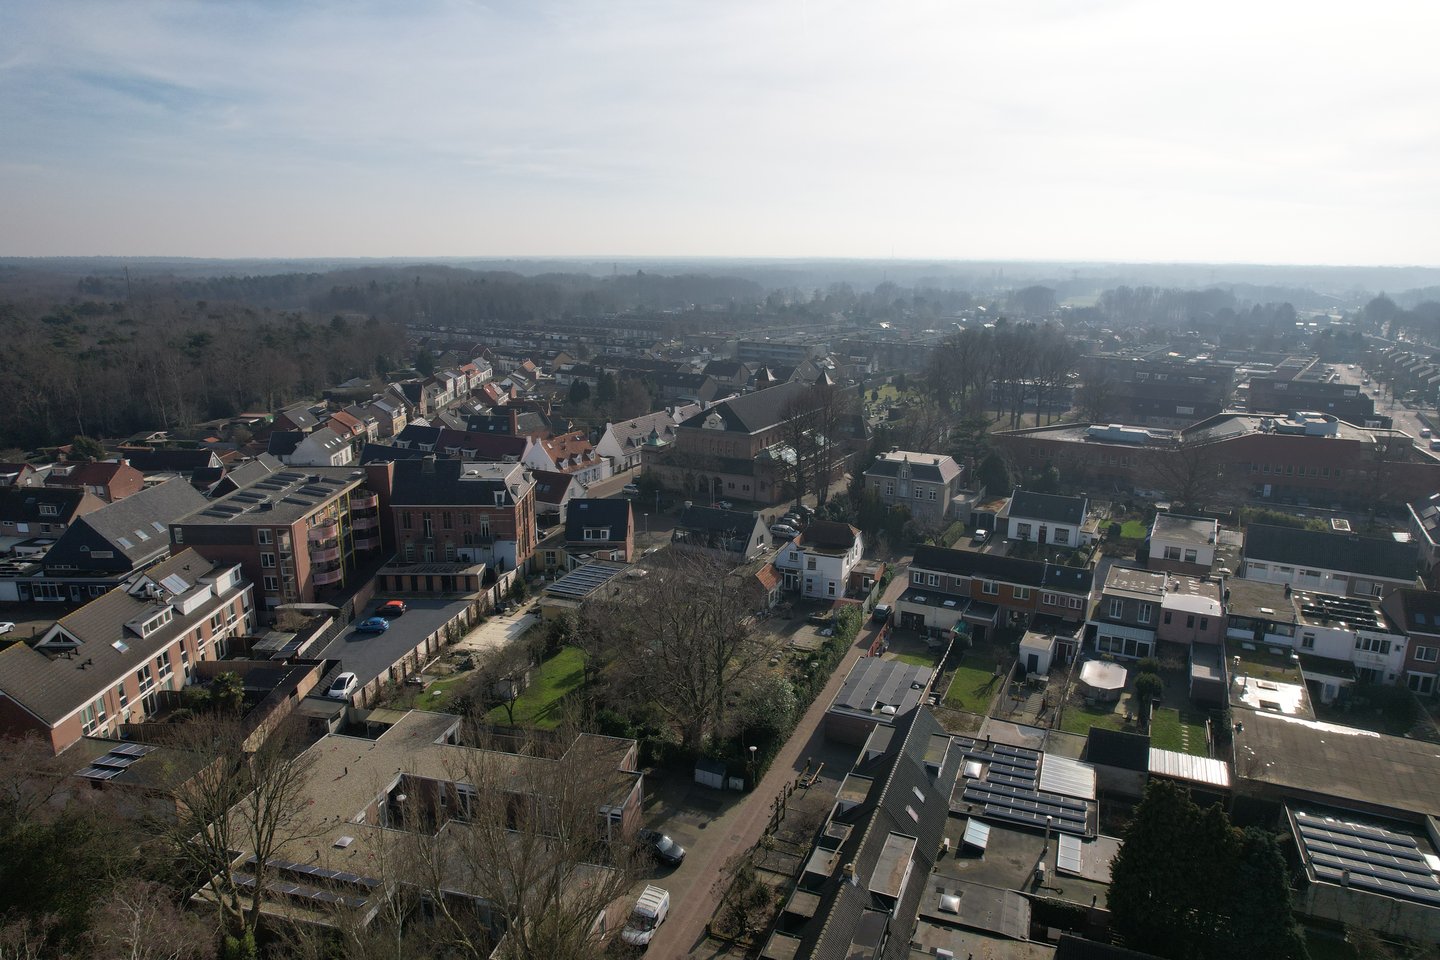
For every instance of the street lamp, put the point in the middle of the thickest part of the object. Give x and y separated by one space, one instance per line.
647 523
752 765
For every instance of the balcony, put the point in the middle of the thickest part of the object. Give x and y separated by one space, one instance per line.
367 543
325 531
364 523
324 576
364 501
323 554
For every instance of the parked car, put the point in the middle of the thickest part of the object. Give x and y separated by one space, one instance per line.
373 625
662 847
391 608
650 911
980 536
724 505
805 510
784 530
1425 432
6 627
631 490
881 613
344 687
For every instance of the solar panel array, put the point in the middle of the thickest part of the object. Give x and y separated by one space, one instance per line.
1009 790
1068 859
1368 858
115 762
310 871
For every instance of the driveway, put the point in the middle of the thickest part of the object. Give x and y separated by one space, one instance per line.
370 655
734 830
497 632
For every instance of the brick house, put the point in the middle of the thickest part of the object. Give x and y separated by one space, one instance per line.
1337 563
104 664
985 590
453 511
107 479
925 484
1417 613
1182 544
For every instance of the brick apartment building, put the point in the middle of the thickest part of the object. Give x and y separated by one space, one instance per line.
298 535
451 511
104 664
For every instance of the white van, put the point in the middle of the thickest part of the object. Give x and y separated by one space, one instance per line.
650 911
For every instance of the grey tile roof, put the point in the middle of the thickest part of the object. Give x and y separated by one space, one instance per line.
448 482
283 442
51 686
1047 507
136 529
22 504
583 512
1345 552
164 461
925 467
1026 573
753 412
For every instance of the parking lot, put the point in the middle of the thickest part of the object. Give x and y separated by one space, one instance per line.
371 655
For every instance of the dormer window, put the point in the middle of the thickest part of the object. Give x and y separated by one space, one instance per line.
49 510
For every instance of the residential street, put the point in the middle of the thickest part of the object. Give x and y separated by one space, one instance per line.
692 885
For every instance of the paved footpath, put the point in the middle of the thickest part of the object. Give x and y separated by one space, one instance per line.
741 827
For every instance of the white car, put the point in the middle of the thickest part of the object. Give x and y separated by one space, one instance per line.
784 530
6 627
344 687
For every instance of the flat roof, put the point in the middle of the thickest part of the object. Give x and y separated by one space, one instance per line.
1196 530
1130 581
1350 767
279 498
585 580
1258 600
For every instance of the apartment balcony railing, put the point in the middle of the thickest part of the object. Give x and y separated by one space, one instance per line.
364 501
324 554
324 576
367 542
359 523
325 531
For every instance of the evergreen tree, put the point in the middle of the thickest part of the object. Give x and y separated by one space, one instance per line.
1150 879
1261 921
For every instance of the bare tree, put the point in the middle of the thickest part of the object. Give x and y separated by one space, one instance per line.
140 921
694 643
831 404
1191 474
1096 398
230 798
801 425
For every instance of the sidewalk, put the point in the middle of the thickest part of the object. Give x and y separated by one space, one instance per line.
742 826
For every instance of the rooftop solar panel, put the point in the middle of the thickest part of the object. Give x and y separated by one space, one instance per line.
1069 857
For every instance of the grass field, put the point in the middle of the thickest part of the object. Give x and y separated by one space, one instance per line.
1134 530
915 659
1079 719
438 693
1172 730
549 685
971 688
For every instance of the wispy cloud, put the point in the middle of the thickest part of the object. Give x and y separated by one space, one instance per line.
1284 131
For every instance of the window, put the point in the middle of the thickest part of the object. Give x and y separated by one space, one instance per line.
407 520
263 535
1190 622
809 563
830 588
1050 599
890 489
990 588
267 559
933 580
597 533
919 493
1144 612
1020 593
177 534
1172 553
447 521
271 584
1062 535
1427 654
916 577
93 716
1372 645
1117 608
932 493
429 523
49 510
1167 617
1022 531
1076 603
1191 556
162 667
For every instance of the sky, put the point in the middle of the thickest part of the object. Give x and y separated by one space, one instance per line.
1261 131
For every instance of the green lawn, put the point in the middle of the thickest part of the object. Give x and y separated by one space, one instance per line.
914 659
1079 719
1171 730
538 706
437 693
971 688
1134 530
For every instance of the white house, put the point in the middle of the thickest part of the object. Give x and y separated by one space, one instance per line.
1046 518
818 562
1182 544
323 448
568 453
1339 563
625 441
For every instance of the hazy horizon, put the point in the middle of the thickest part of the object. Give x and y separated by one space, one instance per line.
1098 131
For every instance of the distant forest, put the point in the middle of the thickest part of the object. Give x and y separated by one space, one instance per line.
106 354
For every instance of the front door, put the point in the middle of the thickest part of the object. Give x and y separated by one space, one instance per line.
1032 662
1044 533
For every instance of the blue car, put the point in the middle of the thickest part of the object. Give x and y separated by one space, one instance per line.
373 625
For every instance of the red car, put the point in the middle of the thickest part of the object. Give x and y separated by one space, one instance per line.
391 608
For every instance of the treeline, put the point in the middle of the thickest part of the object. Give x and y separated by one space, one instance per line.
451 296
1386 318
1026 363
111 368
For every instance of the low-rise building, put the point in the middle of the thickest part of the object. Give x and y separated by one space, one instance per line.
980 591
1338 563
451 511
109 480
732 535
104 664
1128 612
1181 544
877 693
818 562
1046 518
603 529
1417 613
926 484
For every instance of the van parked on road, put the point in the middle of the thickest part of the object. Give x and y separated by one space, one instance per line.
650 911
